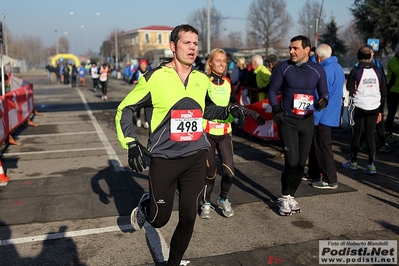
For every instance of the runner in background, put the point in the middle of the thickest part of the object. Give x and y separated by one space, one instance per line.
82 75
94 72
104 73
297 78
219 133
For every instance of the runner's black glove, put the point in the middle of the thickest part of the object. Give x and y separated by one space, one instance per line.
278 115
321 104
238 112
136 156
257 117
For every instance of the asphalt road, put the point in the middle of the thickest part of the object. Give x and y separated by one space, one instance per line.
71 191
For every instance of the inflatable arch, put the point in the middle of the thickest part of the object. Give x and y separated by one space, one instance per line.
65 56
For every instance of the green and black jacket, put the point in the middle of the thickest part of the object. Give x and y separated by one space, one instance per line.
159 91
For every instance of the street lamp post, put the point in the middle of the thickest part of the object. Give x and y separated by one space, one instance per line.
84 26
57 51
116 41
4 33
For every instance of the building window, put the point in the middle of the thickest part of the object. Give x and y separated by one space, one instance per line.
159 38
147 38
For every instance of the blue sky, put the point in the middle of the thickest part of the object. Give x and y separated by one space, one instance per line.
43 17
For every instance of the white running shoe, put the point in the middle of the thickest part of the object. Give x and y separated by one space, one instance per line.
146 125
284 205
293 205
137 217
226 207
206 210
324 185
138 123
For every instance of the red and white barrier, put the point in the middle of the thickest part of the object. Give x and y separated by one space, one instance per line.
16 107
269 130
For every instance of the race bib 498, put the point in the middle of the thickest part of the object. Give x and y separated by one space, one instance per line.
186 125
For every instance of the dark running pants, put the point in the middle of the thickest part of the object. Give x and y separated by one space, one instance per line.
364 120
321 157
393 103
296 137
224 146
104 86
187 174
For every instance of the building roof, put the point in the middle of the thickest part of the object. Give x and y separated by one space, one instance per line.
152 28
156 27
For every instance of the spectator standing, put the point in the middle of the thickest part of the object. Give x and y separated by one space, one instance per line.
74 73
61 69
127 73
367 87
393 89
380 127
262 75
321 157
66 74
297 78
173 92
53 74
272 60
242 70
143 67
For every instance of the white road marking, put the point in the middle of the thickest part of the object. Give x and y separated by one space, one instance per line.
114 160
157 244
10 154
84 232
56 134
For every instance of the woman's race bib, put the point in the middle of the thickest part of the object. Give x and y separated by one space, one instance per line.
303 104
186 125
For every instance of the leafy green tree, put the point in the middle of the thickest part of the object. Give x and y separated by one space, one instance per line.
330 37
377 19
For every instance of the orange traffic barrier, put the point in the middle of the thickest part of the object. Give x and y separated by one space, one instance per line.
3 178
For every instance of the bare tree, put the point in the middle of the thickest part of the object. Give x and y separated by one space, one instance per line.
235 40
268 22
34 48
111 46
198 19
63 45
353 41
311 11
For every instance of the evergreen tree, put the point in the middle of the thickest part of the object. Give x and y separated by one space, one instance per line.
330 37
378 19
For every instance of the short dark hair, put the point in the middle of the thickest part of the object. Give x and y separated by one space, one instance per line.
364 53
175 34
305 41
272 58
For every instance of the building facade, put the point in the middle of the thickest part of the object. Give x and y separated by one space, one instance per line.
151 43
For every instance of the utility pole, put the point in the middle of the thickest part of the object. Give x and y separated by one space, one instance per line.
317 24
116 42
3 90
208 27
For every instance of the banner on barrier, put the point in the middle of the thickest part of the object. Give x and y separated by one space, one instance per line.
3 119
20 106
269 130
